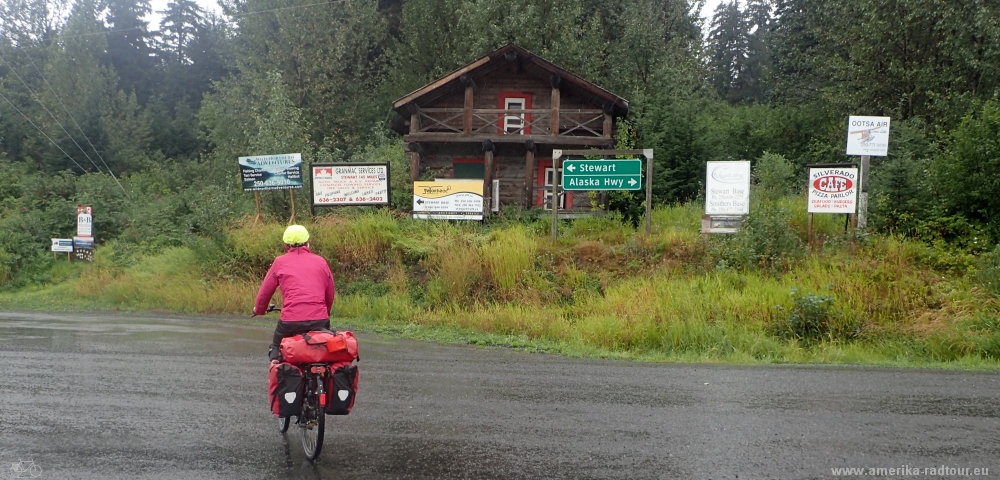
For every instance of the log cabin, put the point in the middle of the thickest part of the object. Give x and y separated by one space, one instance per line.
499 118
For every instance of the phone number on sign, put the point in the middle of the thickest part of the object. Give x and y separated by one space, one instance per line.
349 199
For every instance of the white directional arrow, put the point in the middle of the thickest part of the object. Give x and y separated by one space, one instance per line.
571 167
632 182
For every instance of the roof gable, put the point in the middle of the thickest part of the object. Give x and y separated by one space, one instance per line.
500 58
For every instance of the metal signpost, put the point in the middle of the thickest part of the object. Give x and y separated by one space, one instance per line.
616 174
866 137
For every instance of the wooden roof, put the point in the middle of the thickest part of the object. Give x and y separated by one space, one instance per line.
499 58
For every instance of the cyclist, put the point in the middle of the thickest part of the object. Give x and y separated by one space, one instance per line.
307 289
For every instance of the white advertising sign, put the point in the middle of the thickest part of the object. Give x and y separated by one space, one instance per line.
350 184
833 190
84 221
448 200
62 245
868 136
727 188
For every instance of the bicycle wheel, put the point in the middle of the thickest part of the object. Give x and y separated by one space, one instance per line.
283 423
313 421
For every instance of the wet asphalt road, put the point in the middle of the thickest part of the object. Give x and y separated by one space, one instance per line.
127 396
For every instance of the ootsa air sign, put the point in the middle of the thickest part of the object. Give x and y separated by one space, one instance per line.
833 190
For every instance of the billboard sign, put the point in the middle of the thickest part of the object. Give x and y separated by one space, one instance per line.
62 245
84 221
271 172
833 190
335 184
868 136
448 200
727 188
83 248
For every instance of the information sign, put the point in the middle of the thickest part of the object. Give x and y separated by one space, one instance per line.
84 221
448 200
833 190
727 188
336 184
602 174
868 136
271 172
62 245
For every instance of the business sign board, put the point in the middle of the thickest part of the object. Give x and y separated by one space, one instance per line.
833 190
83 248
868 136
335 184
602 174
62 245
727 188
448 200
84 221
271 172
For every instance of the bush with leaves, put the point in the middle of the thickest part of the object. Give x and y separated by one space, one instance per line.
813 318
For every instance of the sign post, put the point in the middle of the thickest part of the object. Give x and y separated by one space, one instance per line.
616 174
602 174
448 200
727 196
271 172
83 243
866 137
833 188
345 184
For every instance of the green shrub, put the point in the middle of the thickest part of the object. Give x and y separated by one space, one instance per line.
988 271
812 318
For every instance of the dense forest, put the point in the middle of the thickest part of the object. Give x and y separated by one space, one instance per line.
145 122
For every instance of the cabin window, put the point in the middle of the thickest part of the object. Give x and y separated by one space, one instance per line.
469 168
512 122
545 177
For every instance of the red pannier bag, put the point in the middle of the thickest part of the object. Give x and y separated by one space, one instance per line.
284 389
320 347
341 388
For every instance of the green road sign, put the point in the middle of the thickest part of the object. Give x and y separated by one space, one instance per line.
602 174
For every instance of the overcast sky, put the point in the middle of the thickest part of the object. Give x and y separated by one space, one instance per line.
213 6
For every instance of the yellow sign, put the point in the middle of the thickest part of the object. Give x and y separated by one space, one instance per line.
448 200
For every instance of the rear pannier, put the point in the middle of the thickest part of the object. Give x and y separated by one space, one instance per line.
320 347
341 388
285 389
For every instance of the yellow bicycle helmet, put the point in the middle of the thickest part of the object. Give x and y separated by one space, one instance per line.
295 235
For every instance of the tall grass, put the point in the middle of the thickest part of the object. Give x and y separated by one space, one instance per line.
604 286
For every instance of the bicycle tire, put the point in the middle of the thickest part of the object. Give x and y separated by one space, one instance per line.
283 423
313 421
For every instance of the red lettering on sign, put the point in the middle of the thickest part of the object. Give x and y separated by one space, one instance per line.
833 184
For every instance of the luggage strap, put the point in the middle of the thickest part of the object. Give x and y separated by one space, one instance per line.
305 336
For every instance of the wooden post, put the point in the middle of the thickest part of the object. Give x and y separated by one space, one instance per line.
809 228
863 192
467 117
488 182
554 125
608 125
292 194
648 153
529 178
256 199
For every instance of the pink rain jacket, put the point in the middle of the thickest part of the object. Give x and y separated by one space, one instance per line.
306 284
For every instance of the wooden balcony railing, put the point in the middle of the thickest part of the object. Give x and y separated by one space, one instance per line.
572 123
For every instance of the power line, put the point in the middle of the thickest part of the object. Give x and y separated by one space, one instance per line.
43 133
77 125
39 100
